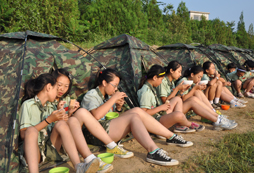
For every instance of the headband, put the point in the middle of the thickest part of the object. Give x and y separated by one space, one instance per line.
241 70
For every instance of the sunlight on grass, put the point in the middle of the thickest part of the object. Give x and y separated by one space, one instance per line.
234 153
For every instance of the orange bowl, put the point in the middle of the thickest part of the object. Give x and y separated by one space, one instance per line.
225 107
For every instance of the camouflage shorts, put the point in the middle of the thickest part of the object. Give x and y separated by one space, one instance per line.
90 139
47 150
157 116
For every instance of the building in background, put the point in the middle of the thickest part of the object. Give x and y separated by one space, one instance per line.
196 15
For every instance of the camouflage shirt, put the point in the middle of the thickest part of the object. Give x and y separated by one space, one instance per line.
94 99
32 113
146 97
233 76
165 88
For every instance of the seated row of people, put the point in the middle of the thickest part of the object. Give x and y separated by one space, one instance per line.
45 126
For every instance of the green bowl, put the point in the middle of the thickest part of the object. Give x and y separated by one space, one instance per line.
59 170
106 157
111 115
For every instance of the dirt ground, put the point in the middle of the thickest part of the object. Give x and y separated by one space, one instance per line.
244 117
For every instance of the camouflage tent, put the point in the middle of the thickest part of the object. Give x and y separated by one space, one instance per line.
128 55
24 55
189 55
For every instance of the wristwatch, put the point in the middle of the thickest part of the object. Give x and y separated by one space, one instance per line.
217 78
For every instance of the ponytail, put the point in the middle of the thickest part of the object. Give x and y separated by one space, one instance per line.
34 86
195 70
108 75
155 70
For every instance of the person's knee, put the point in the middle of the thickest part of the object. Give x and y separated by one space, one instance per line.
215 85
137 111
31 132
73 121
61 125
179 115
194 99
252 82
81 112
238 83
219 83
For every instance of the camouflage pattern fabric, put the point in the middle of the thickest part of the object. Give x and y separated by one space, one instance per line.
130 57
43 53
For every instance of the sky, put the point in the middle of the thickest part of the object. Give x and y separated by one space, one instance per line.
225 10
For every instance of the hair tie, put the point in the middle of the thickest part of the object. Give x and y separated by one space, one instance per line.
70 76
100 72
161 74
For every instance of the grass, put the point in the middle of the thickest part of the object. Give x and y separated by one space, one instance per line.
234 153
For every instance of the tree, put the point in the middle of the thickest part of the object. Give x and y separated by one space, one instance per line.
241 34
251 36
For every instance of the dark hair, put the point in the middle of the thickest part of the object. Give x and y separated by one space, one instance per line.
59 72
155 70
195 70
172 65
242 68
34 86
231 65
206 65
248 64
108 75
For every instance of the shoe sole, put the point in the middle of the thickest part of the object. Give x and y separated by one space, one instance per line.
94 167
199 130
181 145
175 162
178 131
221 128
107 170
124 156
160 137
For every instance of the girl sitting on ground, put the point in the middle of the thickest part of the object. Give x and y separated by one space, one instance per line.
204 108
193 98
167 114
106 98
44 130
217 89
241 78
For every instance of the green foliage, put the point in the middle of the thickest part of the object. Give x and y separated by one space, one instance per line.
89 21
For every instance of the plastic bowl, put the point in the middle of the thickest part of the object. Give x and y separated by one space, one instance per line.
188 82
111 115
106 157
225 107
59 170
203 82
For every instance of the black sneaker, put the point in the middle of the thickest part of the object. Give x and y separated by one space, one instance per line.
160 157
216 105
179 141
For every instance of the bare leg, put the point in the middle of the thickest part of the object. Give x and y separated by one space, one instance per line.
175 117
177 104
218 89
94 127
225 89
199 108
238 85
225 96
32 152
62 129
212 91
248 84
199 94
131 122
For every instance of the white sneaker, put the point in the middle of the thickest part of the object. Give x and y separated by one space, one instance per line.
237 105
160 137
242 101
104 167
225 117
224 125
91 167
248 94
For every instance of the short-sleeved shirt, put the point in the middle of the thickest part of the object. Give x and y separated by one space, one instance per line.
233 76
205 77
94 99
147 98
188 90
165 88
32 113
